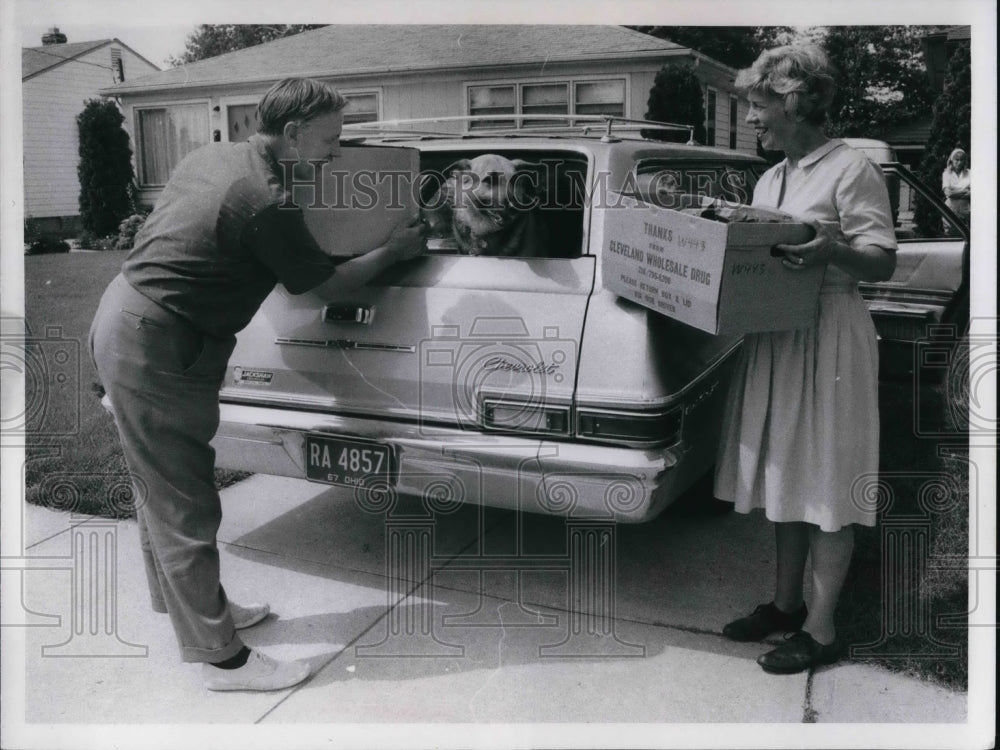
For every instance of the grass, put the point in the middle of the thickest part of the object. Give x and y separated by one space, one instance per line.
84 471
73 460
914 608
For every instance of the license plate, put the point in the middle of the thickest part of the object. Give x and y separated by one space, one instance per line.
349 462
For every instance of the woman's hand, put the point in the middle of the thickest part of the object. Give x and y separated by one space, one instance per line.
867 263
407 240
822 249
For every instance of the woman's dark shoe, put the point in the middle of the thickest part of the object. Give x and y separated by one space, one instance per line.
764 620
799 653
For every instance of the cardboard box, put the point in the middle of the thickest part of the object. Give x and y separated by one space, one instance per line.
718 277
366 192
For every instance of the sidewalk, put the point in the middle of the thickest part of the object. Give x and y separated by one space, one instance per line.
390 651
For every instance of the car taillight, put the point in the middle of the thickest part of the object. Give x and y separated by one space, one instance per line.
635 428
523 416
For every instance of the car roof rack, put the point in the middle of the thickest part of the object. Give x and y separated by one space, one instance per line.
539 125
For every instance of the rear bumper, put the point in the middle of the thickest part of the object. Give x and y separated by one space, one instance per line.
449 466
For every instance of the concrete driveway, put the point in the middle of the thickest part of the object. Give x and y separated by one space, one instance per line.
467 627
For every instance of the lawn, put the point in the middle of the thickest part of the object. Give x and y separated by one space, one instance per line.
910 611
73 458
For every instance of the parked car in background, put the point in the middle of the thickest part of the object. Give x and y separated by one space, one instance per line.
922 312
508 381
880 152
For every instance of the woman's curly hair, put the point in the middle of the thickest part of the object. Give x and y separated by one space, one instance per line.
801 74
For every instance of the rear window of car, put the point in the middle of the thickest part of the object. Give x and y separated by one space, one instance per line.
658 180
559 177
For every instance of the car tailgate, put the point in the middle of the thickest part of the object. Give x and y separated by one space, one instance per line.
445 340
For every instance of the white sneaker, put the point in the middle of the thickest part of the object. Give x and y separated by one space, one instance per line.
260 673
244 617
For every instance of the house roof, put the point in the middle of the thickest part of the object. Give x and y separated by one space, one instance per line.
912 132
350 50
959 33
35 60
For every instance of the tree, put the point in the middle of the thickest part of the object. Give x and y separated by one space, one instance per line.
883 80
676 97
210 41
951 128
105 168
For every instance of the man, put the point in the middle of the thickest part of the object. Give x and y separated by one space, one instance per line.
221 236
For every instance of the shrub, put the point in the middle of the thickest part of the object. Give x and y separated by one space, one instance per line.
676 97
31 230
127 231
47 243
105 168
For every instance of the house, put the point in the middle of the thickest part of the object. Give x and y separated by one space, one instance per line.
392 72
57 79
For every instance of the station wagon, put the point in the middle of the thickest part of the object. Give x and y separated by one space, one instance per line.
516 382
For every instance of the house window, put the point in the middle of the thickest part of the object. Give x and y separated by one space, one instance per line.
167 135
544 99
492 100
734 120
361 108
242 119
710 97
600 98
549 98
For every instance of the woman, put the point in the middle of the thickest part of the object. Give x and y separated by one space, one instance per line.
956 183
801 427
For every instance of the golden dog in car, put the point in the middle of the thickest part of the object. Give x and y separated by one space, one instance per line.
489 205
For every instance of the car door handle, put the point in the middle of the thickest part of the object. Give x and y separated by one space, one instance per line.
348 314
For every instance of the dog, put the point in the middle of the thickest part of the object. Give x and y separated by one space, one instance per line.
489 205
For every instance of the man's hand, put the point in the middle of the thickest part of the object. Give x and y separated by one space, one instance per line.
405 242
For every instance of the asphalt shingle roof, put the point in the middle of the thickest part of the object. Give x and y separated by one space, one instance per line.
359 49
36 59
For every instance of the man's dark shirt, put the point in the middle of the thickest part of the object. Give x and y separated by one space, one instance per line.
217 241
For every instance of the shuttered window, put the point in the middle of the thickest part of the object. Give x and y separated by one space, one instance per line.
734 120
710 103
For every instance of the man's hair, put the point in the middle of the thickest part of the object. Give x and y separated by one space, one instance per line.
296 100
801 74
